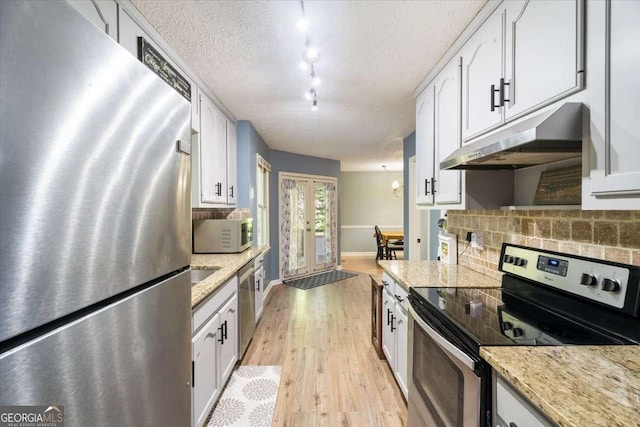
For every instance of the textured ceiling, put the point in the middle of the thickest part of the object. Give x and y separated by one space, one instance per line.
372 56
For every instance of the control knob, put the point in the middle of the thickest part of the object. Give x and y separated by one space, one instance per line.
588 279
520 262
610 285
517 332
508 259
507 325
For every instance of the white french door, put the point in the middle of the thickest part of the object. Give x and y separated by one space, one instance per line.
308 224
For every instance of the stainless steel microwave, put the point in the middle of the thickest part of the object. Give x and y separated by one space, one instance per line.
222 235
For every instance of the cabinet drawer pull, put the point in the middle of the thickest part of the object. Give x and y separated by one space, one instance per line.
513 425
399 298
385 283
231 190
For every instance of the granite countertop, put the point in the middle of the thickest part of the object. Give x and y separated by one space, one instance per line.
229 264
575 385
436 274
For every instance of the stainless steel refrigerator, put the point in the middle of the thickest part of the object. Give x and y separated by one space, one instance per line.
95 225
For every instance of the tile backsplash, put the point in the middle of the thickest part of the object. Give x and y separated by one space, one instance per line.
220 213
611 235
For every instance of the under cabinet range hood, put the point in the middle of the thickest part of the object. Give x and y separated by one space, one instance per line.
547 137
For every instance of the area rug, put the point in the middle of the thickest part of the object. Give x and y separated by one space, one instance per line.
249 398
319 279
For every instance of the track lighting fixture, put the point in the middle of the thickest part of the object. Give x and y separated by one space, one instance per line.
310 56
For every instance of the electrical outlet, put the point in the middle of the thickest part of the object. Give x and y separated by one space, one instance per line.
477 240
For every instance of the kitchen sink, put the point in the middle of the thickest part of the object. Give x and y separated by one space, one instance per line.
198 275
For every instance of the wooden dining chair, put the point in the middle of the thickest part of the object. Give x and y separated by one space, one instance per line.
392 247
381 247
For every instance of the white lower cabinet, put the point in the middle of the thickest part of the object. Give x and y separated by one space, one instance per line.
206 373
513 410
259 279
214 348
395 330
229 337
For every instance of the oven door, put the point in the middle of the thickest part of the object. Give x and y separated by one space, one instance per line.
444 389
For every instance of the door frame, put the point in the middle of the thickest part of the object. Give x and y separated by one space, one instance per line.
310 179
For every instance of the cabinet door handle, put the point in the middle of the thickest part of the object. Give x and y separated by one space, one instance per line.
392 319
502 91
221 329
231 190
433 185
398 298
426 186
224 334
493 97
388 317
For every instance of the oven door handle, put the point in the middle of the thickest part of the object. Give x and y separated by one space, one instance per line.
442 342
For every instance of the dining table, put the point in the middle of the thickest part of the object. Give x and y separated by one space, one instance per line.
391 235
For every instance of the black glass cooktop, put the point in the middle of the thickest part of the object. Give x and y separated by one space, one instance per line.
486 317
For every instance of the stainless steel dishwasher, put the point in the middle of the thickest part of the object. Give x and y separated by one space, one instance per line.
246 305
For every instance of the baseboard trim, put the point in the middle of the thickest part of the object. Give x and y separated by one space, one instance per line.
348 254
271 284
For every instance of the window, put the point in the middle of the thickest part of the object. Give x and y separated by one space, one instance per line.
262 193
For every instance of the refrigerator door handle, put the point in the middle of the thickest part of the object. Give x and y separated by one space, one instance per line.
183 147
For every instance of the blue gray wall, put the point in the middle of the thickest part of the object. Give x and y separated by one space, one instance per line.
250 143
282 161
409 150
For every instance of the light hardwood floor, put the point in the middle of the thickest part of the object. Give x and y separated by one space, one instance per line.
331 375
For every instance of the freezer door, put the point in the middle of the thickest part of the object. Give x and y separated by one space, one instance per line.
94 194
127 364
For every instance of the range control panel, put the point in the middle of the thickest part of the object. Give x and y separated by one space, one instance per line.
594 279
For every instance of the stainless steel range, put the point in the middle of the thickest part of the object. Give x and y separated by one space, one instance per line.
547 298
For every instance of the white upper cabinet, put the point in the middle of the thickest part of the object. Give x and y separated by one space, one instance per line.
424 146
481 71
447 183
614 67
526 55
129 33
213 153
103 13
543 51
231 164
214 158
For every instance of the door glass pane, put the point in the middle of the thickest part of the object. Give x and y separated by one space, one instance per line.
320 216
439 381
299 236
